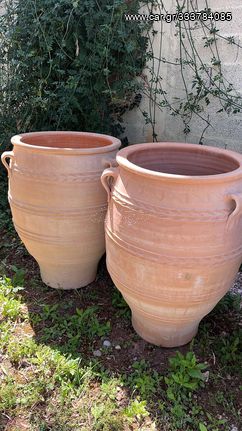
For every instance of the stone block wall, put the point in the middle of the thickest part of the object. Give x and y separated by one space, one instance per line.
227 129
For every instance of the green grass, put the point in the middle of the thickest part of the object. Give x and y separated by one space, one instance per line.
51 380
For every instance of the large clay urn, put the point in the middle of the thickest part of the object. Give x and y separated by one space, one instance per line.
173 234
58 202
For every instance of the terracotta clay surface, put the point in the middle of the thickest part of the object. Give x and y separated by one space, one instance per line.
173 234
58 202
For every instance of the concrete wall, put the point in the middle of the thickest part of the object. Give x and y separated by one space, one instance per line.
227 130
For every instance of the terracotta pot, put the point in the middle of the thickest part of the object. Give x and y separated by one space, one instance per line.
173 234
58 202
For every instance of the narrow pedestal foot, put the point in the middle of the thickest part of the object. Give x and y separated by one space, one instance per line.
163 333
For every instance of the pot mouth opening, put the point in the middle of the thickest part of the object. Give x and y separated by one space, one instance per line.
193 161
64 140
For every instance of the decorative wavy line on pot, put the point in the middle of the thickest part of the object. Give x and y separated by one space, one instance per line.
46 239
134 292
47 212
64 178
173 260
167 213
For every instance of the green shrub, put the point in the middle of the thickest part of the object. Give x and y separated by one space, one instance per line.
71 64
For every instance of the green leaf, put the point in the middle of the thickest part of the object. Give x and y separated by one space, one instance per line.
170 394
196 374
202 427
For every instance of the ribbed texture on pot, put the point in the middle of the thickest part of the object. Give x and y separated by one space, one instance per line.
173 235
58 203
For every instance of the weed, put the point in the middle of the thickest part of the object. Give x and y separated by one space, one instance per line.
219 397
229 302
105 417
8 396
202 427
119 303
228 350
185 376
143 379
74 328
109 387
8 288
9 306
19 275
50 312
137 409
215 424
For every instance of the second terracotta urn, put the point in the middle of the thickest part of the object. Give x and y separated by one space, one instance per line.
173 234
58 202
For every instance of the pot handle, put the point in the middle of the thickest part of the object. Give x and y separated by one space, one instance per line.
7 155
237 198
109 163
105 179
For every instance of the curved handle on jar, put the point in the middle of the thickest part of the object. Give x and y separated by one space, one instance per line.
7 155
237 198
105 177
110 163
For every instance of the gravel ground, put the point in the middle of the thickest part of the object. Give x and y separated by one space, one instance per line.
237 286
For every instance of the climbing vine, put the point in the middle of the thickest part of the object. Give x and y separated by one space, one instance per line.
203 81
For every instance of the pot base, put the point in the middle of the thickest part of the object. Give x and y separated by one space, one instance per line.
162 333
69 276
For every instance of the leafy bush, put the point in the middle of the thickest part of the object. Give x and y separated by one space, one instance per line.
71 64
185 375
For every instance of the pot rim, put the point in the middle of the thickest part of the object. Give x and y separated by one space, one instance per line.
114 143
123 154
